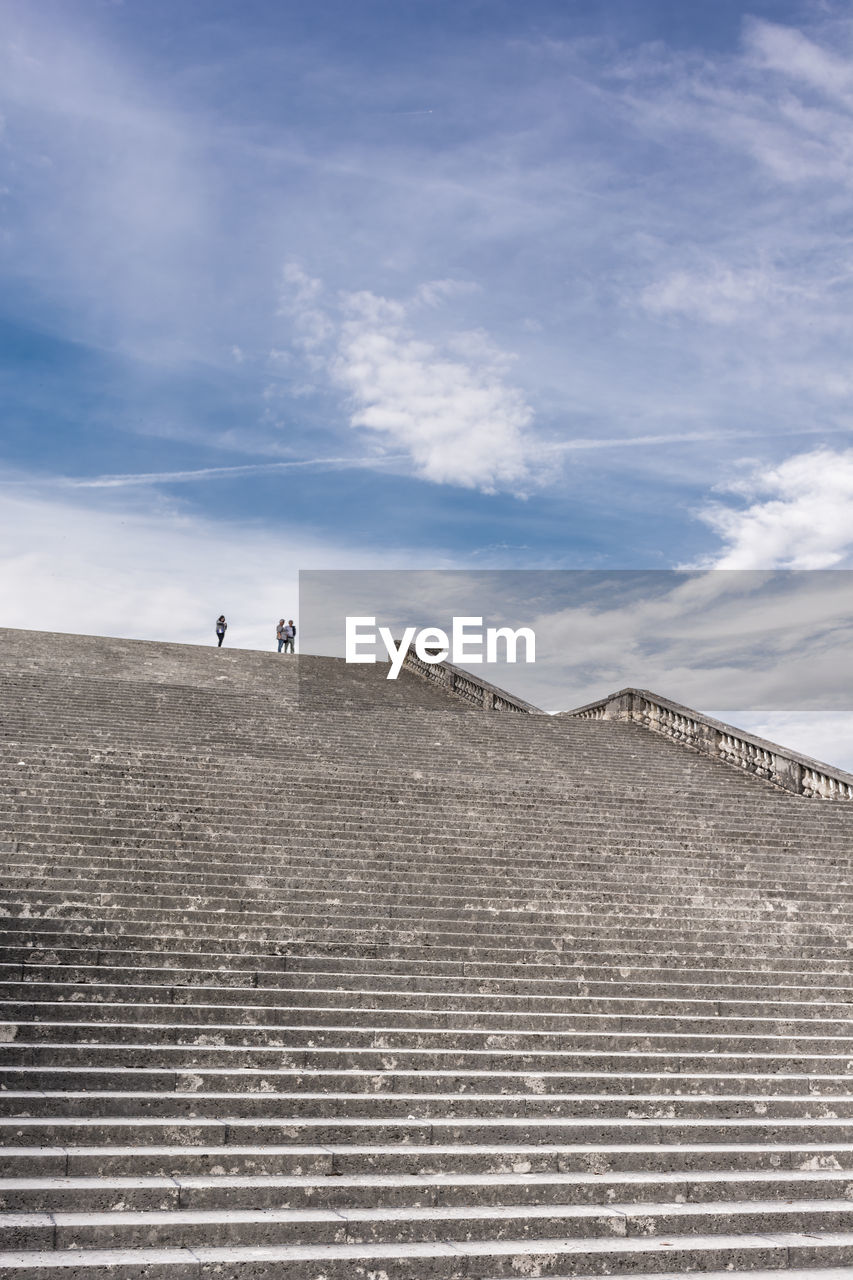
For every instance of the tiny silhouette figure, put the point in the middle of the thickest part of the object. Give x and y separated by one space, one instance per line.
221 628
289 636
279 634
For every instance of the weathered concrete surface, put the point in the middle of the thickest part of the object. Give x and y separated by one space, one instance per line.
365 984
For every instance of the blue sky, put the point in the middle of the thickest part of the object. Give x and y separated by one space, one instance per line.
416 283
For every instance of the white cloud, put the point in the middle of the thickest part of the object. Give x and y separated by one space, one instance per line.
460 421
152 573
800 516
446 402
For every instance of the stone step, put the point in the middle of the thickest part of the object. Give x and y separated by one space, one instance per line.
513 913
315 973
199 1191
636 1084
583 887
474 880
172 1056
196 1013
457 1260
145 775
417 982
587 888
472 758
272 1104
462 753
116 1130
305 914
310 1035
561 844
85 987
353 1159
554 845
762 949
536 928
182 1228
399 802
213 814
577 819
483 844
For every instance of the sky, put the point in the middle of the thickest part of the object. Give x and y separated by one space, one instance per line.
445 284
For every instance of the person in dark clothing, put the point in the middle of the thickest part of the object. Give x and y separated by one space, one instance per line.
221 628
289 637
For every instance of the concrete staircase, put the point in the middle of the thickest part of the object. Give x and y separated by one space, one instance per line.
308 974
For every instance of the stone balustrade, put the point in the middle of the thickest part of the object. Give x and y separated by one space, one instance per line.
469 688
784 768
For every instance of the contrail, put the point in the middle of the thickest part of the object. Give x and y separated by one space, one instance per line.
209 473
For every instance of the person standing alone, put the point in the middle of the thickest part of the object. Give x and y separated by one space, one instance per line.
221 628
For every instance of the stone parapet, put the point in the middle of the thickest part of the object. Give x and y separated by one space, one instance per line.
470 688
746 751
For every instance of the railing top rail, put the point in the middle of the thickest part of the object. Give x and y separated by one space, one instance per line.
412 663
496 689
743 735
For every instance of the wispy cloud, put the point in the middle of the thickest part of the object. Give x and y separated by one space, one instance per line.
719 294
203 474
749 272
783 99
581 444
790 52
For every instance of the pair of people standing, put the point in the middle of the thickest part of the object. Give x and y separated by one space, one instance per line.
285 633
